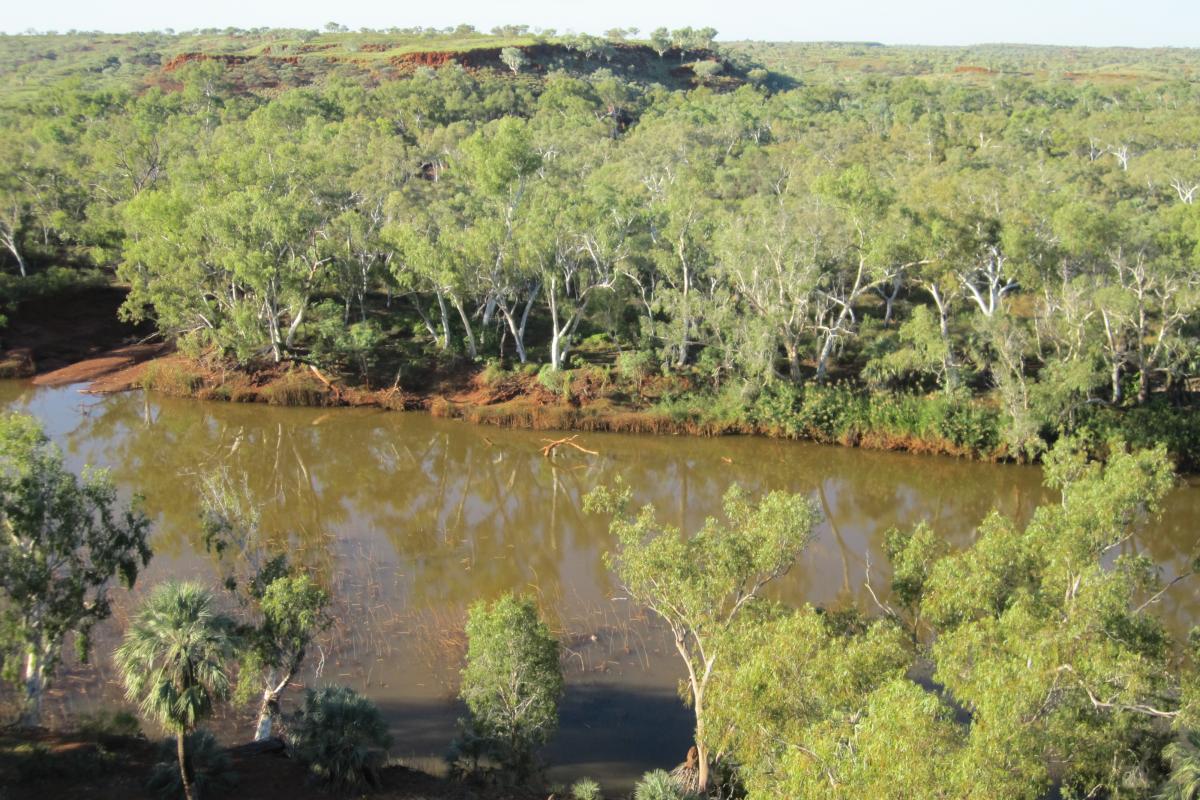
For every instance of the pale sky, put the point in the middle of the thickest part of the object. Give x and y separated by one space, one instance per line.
1140 23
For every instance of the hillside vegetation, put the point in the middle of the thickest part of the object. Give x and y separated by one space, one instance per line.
962 250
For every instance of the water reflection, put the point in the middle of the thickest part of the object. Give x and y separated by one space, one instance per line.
409 519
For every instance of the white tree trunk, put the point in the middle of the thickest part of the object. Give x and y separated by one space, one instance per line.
472 350
10 244
266 715
35 689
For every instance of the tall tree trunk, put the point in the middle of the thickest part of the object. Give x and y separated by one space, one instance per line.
10 244
472 350
295 326
276 344
793 355
823 357
266 715
701 747
441 298
186 775
949 367
35 689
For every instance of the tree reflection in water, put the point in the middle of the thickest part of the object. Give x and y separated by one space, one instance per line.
409 519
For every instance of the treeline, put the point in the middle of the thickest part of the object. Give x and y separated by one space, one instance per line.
1025 247
1034 660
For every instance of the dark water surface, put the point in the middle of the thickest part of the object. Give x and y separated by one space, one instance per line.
409 519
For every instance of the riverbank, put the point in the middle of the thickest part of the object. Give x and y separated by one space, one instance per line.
90 765
77 337
599 399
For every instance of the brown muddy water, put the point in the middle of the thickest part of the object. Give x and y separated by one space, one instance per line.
409 519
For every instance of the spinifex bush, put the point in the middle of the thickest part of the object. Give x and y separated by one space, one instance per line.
585 789
341 736
658 785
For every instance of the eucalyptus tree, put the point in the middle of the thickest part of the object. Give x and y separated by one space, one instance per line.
1048 643
233 251
63 540
292 610
1032 610
771 255
862 206
512 682
702 585
500 162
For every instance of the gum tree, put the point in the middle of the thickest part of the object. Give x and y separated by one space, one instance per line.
512 682
63 540
702 584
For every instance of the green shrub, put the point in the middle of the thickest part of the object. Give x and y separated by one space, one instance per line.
1144 426
211 765
554 380
54 281
585 789
341 736
34 761
509 720
658 785
634 366
340 346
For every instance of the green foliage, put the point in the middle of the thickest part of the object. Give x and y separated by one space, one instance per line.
634 366
102 725
555 380
27 762
353 347
341 736
214 774
493 372
174 660
513 58
66 539
586 789
175 656
658 785
1038 632
1184 781
702 584
868 231
843 414
512 685
813 678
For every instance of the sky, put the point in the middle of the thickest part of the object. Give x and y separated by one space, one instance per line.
1138 23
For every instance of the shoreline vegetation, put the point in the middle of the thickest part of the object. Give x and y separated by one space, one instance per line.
968 251
606 396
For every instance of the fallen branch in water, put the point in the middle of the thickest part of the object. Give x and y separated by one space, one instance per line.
328 383
551 444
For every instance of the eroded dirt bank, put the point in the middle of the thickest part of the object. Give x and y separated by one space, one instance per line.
76 337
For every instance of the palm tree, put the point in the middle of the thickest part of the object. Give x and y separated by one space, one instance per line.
1184 783
173 661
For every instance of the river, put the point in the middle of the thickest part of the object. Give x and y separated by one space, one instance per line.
409 519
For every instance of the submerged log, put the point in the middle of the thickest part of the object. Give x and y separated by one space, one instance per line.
551 444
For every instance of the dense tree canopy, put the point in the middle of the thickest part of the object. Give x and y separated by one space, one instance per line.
1031 658
1030 242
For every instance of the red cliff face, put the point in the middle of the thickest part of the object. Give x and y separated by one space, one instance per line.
224 58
